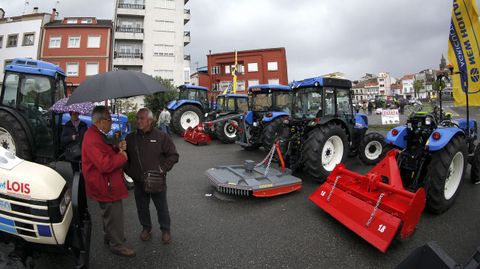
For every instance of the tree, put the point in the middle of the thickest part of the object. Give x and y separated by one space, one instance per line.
125 106
158 100
417 86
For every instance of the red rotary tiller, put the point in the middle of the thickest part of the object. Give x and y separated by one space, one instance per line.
197 135
374 206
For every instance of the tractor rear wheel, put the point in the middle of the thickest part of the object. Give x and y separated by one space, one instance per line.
475 172
272 131
13 137
186 116
371 149
324 148
226 131
445 175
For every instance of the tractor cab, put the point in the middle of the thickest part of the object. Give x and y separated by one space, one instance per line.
231 103
267 98
28 129
193 93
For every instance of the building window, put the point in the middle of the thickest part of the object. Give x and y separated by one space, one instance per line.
72 69
55 42
165 74
28 39
227 69
167 4
72 21
163 50
165 26
93 41
74 41
87 21
252 67
241 69
215 70
254 82
1 41
91 69
12 40
274 81
272 66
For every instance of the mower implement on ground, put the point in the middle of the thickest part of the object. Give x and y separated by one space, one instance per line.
375 206
259 180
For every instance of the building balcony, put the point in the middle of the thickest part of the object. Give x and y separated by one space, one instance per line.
186 38
128 59
186 16
131 9
127 33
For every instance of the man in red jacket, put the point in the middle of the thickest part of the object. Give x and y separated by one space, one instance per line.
102 168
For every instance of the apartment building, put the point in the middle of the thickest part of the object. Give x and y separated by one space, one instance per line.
82 46
20 36
150 37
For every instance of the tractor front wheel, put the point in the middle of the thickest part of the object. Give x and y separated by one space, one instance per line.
186 116
272 131
372 148
445 175
324 148
13 137
226 131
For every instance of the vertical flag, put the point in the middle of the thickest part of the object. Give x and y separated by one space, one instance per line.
464 52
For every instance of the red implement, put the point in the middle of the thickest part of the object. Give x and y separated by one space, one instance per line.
197 135
374 206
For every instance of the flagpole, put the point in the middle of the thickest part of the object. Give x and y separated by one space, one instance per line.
234 73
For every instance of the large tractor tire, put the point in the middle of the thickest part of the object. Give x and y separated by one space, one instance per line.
13 137
186 116
475 172
445 175
372 148
324 148
272 131
226 131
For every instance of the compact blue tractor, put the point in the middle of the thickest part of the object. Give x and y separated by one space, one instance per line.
190 107
269 106
435 151
322 129
226 116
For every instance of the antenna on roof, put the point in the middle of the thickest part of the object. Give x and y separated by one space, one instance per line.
25 6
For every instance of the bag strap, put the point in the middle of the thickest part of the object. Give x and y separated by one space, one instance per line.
138 152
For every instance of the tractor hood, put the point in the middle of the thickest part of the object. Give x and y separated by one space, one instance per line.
175 104
28 180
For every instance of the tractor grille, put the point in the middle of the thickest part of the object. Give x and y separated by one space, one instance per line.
19 217
234 191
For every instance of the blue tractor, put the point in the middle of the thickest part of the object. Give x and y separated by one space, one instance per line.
323 129
269 106
189 109
119 123
226 116
435 151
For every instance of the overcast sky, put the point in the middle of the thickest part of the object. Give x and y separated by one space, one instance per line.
350 36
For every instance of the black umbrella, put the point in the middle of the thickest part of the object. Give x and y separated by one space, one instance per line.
115 84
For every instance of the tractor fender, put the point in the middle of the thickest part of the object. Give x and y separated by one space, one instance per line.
23 123
176 104
361 121
446 134
274 116
249 117
462 123
399 139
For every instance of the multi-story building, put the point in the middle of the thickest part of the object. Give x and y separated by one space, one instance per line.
407 86
82 46
427 77
150 36
20 36
262 66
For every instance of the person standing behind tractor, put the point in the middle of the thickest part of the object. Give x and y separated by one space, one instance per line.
164 121
150 149
102 167
71 140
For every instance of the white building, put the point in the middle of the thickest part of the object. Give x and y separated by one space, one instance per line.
150 37
20 36
407 86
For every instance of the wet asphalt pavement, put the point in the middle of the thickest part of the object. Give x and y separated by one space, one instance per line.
212 230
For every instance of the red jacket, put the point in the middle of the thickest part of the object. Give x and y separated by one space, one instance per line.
102 168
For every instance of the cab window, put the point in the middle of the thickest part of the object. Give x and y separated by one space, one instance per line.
242 105
344 106
11 87
329 102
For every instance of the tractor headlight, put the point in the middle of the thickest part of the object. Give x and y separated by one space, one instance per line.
65 201
255 124
428 121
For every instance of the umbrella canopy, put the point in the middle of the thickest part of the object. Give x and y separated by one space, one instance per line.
82 108
115 84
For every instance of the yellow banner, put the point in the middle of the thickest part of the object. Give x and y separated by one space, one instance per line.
464 52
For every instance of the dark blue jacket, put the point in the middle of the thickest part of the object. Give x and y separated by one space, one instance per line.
69 130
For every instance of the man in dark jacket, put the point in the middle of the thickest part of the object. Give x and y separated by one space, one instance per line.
102 167
72 136
150 149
